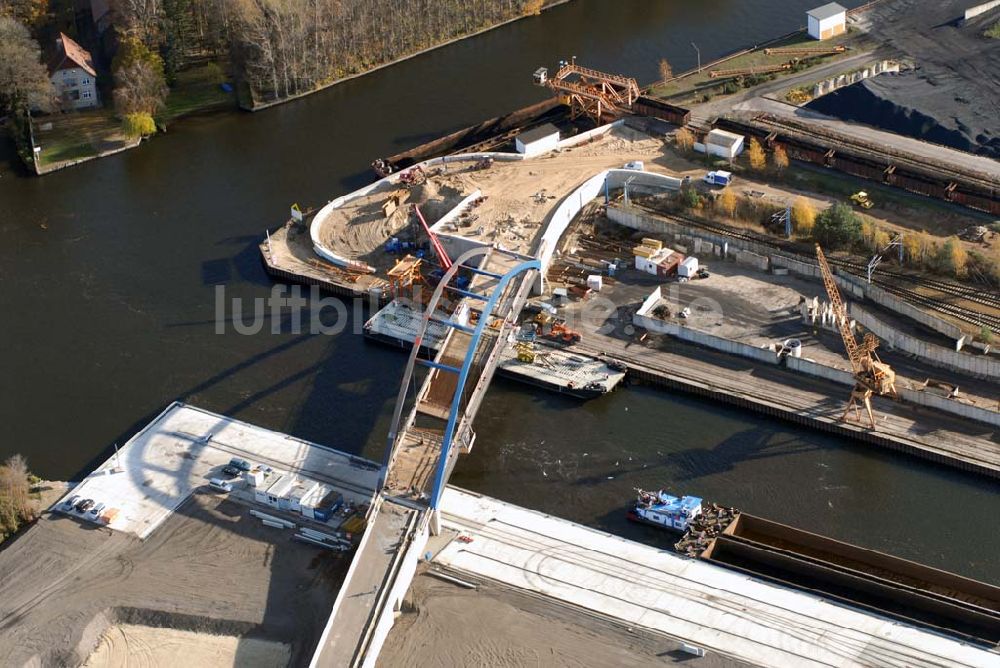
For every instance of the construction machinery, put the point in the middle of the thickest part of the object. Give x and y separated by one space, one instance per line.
554 329
413 176
871 375
435 242
590 92
525 352
481 164
862 199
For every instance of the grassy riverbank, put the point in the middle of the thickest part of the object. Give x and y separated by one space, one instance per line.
71 138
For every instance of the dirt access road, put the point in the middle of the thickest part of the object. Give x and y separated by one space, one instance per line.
209 568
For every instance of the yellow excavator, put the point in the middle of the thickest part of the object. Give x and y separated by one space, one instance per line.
871 375
862 199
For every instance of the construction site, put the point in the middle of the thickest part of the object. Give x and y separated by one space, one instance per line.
607 236
749 313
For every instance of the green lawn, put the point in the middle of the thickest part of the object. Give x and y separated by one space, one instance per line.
76 135
679 89
197 89
993 31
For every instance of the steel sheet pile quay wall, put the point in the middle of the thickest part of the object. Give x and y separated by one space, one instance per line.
873 580
707 606
877 163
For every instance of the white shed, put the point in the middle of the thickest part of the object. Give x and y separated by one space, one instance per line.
723 144
537 140
827 21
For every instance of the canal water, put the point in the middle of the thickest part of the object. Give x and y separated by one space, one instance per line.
108 285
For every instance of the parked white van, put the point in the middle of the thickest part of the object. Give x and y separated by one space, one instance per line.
221 485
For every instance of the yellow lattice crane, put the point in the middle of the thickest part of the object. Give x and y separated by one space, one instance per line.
872 376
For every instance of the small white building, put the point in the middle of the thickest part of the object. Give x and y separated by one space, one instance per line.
73 75
724 144
538 140
275 493
827 21
688 268
657 261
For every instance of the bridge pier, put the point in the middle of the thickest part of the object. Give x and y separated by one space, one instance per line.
435 521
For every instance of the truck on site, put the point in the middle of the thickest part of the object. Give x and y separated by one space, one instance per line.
718 178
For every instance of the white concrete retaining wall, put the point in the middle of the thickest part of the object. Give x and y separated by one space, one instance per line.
976 365
703 339
589 135
755 260
811 368
455 212
883 298
829 85
652 300
917 397
560 219
796 266
404 578
980 9
953 406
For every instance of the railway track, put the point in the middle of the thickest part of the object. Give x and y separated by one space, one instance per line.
888 281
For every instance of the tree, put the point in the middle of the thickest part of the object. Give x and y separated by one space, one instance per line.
803 216
837 227
780 158
29 13
139 89
756 155
132 50
666 71
684 139
952 257
24 81
727 202
689 198
917 246
141 19
139 124
533 7
15 499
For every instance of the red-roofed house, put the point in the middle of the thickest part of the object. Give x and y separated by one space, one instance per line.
73 75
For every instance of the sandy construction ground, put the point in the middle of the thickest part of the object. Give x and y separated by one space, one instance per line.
209 568
499 627
519 197
126 645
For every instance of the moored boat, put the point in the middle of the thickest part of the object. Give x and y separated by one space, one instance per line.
665 510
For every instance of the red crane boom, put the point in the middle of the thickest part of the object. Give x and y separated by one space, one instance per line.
435 242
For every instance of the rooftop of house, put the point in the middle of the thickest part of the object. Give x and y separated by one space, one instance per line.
538 133
826 11
70 54
722 138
